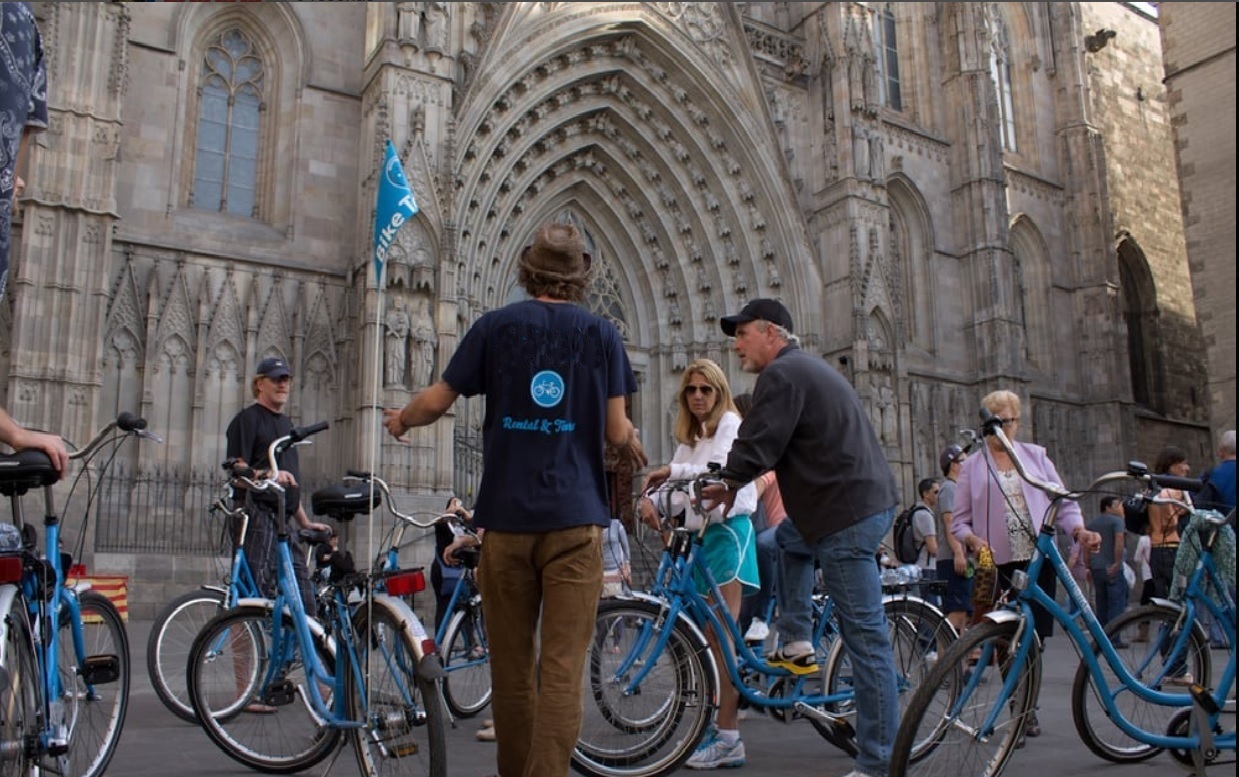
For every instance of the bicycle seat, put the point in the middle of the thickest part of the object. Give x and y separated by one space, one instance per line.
344 502
468 557
24 470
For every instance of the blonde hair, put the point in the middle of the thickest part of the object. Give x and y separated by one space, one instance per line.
1001 400
687 431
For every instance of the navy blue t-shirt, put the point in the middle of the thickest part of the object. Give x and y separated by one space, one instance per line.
547 370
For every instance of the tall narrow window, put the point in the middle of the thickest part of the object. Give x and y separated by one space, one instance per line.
1000 71
230 108
886 47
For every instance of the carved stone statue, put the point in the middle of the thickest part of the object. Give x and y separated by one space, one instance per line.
877 156
409 22
434 24
423 346
860 151
397 344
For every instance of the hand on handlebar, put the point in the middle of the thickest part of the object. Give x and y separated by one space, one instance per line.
649 513
656 478
716 494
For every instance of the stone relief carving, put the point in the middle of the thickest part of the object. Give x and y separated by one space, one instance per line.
423 345
396 347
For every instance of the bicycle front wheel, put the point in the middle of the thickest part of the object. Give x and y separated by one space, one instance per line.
466 659
248 687
960 722
645 708
404 731
94 683
1144 639
21 694
167 648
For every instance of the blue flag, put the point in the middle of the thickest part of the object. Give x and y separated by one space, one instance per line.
395 206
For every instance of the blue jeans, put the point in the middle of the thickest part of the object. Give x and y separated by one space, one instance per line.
851 580
1111 595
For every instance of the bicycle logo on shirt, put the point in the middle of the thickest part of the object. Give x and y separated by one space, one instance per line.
547 388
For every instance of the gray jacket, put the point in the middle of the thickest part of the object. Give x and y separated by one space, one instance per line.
809 426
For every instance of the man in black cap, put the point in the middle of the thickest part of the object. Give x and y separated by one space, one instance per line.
808 425
555 377
249 435
952 554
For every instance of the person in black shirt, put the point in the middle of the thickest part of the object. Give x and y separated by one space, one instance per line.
249 435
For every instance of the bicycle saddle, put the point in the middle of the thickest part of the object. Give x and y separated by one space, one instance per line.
344 502
24 470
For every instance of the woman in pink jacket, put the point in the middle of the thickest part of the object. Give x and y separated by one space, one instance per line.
995 508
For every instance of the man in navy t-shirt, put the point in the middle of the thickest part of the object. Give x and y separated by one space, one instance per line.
554 377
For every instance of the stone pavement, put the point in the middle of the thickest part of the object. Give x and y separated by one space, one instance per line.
157 744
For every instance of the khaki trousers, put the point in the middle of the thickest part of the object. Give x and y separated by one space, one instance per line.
537 674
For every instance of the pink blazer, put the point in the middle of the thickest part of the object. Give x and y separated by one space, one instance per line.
980 508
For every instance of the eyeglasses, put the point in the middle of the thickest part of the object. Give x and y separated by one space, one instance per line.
706 390
281 379
933 492
1009 421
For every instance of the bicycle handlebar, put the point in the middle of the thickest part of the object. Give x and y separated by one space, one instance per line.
126 422
281 444
357 476
1172 481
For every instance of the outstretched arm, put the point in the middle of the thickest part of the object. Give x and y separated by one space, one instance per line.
426 407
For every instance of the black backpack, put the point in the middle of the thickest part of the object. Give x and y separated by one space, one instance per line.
906 547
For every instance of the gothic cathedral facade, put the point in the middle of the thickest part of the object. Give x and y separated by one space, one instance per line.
950 198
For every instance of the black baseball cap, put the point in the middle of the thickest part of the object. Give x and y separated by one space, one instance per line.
761 309
273 367
950 454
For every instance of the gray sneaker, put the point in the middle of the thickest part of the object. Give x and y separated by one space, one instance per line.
716 754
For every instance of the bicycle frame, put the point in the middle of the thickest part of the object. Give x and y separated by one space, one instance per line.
676 593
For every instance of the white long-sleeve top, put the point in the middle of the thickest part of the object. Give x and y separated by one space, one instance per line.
689 461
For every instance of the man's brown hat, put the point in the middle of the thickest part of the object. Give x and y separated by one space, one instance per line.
557 253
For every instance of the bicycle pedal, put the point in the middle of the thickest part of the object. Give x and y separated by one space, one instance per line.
96 670
280 694
405 750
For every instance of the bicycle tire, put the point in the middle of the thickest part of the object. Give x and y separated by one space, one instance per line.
98 714
171 638
405 730
1146 662
954 699
21 696
653 731
919 634
229 669
466 663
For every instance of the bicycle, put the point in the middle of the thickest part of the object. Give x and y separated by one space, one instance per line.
65 659
654 698
177 625
973 706
461 637
368 668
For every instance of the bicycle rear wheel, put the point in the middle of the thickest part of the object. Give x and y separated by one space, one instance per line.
944 729
405 725
1144 639
466 659
651 728
95 704
21 692
919 635
167 648
248 690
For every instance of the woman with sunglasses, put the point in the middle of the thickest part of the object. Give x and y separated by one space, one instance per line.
705 429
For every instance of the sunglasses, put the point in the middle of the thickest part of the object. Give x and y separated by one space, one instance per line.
706 390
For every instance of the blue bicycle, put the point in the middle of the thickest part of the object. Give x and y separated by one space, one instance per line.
653 679
1144 681
276 689
64 653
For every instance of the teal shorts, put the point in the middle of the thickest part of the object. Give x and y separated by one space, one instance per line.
730 552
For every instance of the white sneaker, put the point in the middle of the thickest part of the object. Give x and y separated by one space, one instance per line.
757 632
716 754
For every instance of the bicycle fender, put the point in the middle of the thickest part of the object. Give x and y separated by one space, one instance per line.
887 598
694 631
216 588
7 594
1003 616
1171 604
428 664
